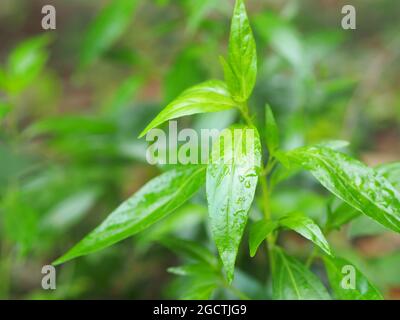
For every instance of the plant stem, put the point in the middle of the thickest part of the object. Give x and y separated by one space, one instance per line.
267 216
244 109
266 207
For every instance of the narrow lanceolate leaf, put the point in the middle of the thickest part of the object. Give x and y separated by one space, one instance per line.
347 282
350 180
154 201
106 28
258 233
271 130
231 184
344 213
210 96
293 281
307 228
241 68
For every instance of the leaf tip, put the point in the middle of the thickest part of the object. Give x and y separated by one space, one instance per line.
145 130
58 261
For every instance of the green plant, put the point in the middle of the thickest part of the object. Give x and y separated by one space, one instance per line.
231 189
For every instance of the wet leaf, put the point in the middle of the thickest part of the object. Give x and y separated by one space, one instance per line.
151 203
295 221
307 228
231 184
350 180
210 96
241 67
293 281
258 233
345 213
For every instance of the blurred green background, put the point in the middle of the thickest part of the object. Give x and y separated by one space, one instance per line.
73 101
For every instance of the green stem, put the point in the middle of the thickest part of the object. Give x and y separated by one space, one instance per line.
266 207
267 216
244 109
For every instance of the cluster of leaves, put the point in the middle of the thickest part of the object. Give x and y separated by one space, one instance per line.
231 189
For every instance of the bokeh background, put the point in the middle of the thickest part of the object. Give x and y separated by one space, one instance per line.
73 100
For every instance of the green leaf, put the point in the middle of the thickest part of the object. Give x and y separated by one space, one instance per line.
340 272
294 221
231 80
350 180
241 68
106 28
25 63
271 130
293 281
231 184
307 228
151 203
189 249
209 96
258 233
345 213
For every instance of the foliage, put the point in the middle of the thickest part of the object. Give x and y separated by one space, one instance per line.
257 227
